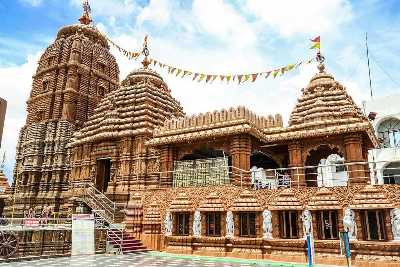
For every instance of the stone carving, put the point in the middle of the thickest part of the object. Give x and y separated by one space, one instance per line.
168 223
349 223
395 220
267 224
307 223
230 225
197 224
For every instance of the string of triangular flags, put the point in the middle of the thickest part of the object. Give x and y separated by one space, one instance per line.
128 54
239 78
207 77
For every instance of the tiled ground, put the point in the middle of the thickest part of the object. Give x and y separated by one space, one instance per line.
141 260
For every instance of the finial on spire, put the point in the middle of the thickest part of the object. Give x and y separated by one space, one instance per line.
320 59
146 62
86 18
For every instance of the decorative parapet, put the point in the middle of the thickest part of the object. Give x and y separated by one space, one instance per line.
214 124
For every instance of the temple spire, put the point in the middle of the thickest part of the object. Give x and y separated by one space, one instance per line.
86 18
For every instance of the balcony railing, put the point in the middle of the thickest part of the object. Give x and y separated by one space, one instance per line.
313 176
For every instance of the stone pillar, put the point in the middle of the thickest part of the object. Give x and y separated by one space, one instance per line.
240 149
166 165
296 161
354 153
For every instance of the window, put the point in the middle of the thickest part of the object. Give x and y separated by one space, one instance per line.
327 221
182 223
102 67
46 85
373 224
101 91
247 224
50 61
214 224
389 133
288 224
391 173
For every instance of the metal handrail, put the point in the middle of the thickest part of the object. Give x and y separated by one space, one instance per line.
97 197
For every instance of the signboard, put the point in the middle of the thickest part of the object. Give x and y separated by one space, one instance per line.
31 222
83 239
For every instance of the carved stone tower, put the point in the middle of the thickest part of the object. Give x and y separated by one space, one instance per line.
73 74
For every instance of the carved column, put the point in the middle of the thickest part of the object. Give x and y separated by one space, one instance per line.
296 161
71 88
166 165
240 149
354 153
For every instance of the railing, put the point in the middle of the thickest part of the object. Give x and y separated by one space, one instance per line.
25 224
104 211
97 201
327 175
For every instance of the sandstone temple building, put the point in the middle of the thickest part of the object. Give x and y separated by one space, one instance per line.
226 182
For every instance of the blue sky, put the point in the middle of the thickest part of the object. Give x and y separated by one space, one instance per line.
213 36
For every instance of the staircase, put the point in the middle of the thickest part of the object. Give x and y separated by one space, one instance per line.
109 217
127 245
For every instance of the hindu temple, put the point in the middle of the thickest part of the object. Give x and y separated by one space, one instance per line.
223 183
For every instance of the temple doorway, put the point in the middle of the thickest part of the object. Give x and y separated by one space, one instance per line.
391 173
103 174
313 160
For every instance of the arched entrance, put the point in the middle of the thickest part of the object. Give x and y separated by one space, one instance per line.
391 173
203 166
262 160
263 171
313 160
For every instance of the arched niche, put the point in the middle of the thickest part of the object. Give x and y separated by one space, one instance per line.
313 161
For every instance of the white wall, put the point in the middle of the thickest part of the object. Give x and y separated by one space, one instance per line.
385 107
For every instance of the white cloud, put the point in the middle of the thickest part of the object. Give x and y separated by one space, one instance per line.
33 3
288 17
15 88
157 12
223 22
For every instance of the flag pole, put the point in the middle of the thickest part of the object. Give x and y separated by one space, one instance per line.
369 69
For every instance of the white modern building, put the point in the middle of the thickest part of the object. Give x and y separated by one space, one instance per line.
385 115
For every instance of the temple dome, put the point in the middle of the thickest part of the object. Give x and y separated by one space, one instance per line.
326 101
88 31
141 103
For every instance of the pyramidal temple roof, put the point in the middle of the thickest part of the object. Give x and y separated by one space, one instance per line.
326 101
325 108
142 102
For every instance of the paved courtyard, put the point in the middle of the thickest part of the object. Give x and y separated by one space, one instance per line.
142 260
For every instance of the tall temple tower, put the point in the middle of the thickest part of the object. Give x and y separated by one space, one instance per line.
73 74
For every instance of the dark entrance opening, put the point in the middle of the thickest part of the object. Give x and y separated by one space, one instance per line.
262 160
103 174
